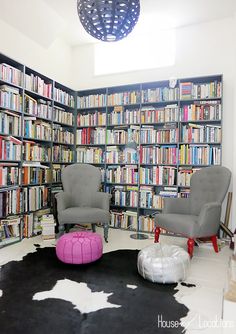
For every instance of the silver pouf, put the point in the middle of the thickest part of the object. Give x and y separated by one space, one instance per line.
163 263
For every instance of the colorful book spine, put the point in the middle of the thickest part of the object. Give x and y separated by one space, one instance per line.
201 111
159 94
37 129
62 154
38 108
158 175
60 115
124 98
196 133
9 175
152 115
166 154
92 101
95 118
36 84
10 98
119 116
10 123
125 174
199 155
91 136
61 135
11 74
90 155
64 97
36 152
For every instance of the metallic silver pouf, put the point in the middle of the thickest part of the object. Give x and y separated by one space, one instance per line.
163 263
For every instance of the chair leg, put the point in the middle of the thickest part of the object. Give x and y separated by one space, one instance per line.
190 246
106 228
214 243
94 228
157 234
67 227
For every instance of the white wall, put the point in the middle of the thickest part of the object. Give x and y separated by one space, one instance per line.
202 49
53 61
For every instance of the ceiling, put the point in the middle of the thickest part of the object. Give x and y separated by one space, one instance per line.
45 20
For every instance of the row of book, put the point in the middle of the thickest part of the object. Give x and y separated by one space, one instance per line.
11 74
166 154
119 116
151 200
10 98
123 98
159 94
36 84
201 111
36 152
90 136
185 174
115 155
10 123
56 172
119 136
170 113
38 108
199 155
204 110
124 219
62 116
61 135
9 175
150 135
90 155
124 196
10 148
190 90
125 174
62 154
34 198
158 175
92 101
63 97
196 133
94 118
37 129
16 201
10 230
35 174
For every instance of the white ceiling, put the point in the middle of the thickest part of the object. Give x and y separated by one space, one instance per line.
45 20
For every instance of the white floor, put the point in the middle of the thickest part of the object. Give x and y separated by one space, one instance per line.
208 271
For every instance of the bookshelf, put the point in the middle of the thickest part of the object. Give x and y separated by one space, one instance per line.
37 139
176 130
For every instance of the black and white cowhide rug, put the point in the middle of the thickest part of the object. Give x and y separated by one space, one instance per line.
41 295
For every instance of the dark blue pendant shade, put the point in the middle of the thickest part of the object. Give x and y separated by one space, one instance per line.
108 20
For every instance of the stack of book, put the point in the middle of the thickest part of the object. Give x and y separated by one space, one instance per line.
48 227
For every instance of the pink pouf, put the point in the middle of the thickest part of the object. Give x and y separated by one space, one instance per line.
79 247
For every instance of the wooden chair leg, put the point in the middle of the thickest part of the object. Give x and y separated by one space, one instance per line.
106 228
93 228
190 246
214 243
157 234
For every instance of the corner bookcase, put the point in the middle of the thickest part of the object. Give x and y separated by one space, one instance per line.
148 139
37 138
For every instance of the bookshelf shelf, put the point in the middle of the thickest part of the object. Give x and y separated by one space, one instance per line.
4 82
37 95
161 117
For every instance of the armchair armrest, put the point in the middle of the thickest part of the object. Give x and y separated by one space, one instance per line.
101 200
209 217
63 201
177 205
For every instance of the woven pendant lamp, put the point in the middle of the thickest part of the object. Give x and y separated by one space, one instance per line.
108 20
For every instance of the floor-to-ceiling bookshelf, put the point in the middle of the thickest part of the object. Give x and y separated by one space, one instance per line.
36 140
172 129
176 128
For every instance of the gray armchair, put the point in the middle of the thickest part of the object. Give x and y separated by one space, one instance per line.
199 215
81 202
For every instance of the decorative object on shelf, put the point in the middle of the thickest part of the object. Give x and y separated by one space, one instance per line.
163 263
108 20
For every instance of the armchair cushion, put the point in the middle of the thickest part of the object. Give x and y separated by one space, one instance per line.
77 215
178 223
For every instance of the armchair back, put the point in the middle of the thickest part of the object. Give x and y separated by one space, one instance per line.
209 184
80 181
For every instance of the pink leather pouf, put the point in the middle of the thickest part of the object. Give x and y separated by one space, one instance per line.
79 247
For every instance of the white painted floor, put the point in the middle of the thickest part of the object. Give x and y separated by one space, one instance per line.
208 271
